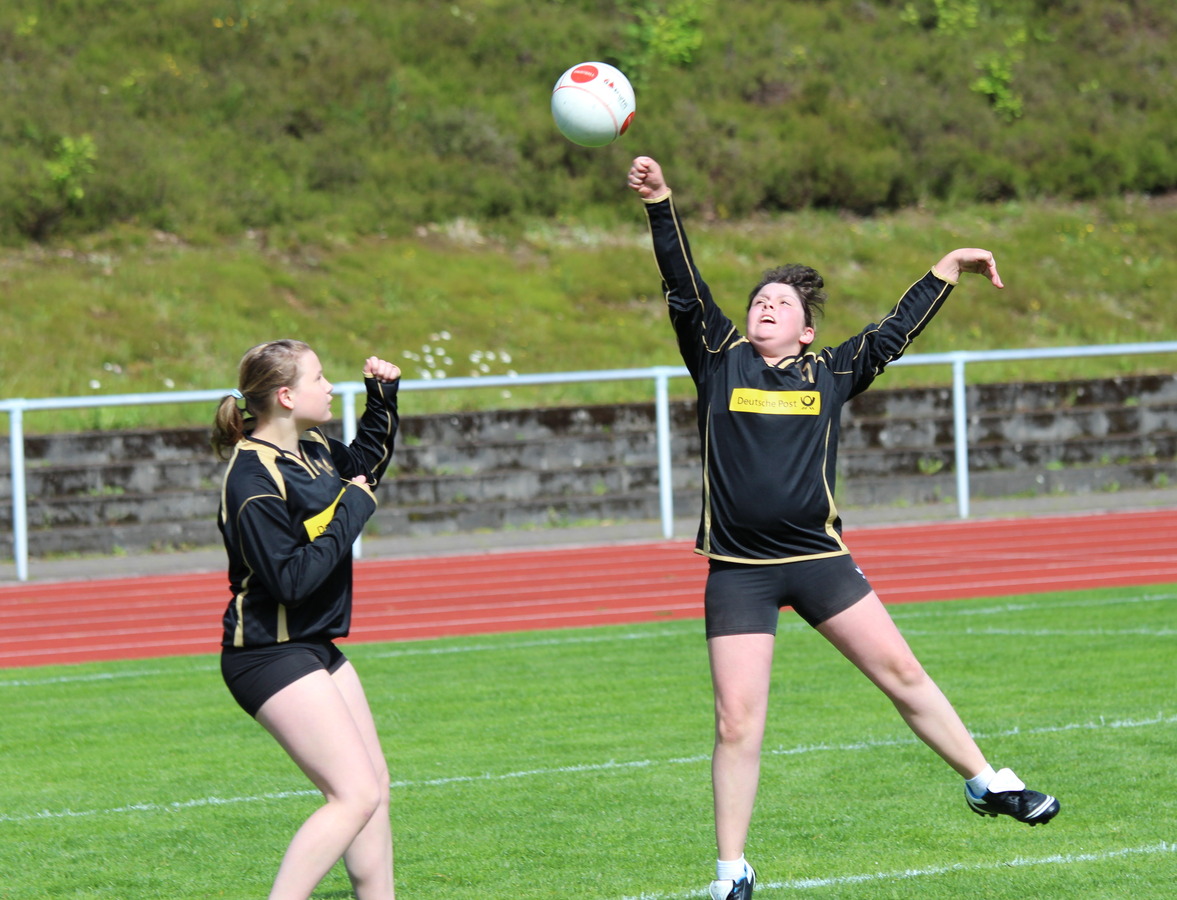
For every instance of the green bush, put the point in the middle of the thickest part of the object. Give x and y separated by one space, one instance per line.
213 119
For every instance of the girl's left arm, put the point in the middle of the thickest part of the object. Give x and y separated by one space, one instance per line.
371 451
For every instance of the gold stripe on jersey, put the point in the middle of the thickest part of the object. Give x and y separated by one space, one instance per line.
269 458
706 548
748 561
318 523
239 628
775 403
832 517
225 481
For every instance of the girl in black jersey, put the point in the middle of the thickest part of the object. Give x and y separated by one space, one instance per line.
768 413
293 503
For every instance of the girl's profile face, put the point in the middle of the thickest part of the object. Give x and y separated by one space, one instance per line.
311 392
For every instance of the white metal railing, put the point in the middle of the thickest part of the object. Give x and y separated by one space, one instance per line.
661 375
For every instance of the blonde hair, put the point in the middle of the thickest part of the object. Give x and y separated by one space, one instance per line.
262 370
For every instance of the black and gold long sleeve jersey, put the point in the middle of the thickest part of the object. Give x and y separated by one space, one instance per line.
770 433
289 522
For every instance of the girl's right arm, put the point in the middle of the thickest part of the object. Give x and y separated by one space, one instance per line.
701 326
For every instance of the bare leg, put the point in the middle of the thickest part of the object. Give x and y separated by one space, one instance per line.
369 858
867 637
311 720
741 666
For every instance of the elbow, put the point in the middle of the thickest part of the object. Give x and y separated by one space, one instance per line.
293 585
291 595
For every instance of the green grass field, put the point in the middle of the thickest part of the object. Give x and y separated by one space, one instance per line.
575 764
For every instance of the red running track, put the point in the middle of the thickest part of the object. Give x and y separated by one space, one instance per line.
413 599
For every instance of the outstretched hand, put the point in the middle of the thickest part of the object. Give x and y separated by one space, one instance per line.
969 259
645 177
381 370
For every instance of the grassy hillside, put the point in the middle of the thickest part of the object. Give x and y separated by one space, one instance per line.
179 181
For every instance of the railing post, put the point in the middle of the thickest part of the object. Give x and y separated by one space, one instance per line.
960 435
20 509
665 473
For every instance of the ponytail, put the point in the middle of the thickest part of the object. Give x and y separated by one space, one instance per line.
228 426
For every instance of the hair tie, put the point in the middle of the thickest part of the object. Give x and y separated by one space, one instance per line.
236 394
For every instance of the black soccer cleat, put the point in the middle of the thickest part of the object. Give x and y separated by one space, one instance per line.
1008 796
735 890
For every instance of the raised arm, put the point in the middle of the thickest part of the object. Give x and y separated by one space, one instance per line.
368 455
701 326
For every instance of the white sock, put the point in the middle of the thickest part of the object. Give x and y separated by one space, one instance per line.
729 869
979 783
1006 780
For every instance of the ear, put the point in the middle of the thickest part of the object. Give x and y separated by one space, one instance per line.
807 335
285 397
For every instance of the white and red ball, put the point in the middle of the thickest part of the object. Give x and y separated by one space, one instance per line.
593 104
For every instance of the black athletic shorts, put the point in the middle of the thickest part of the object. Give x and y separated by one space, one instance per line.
743 598
255 674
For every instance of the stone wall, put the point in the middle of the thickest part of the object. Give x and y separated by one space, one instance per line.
136 490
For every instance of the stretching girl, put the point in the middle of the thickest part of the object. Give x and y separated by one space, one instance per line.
768 416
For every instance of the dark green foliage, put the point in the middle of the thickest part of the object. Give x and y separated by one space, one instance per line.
374 117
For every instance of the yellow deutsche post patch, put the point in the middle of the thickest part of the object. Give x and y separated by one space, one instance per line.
318 523
776 403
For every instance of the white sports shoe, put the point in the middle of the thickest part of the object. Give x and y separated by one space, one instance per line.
1009 796
735 890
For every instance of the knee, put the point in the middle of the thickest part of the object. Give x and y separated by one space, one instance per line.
383 788
905 674
364 798
371 803
376 801
736 726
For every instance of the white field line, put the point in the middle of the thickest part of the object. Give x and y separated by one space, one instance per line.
608 766
1053 632
80 679
1057 859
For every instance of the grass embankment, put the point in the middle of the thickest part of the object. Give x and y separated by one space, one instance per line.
135 311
